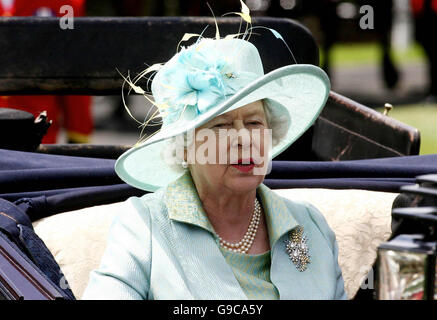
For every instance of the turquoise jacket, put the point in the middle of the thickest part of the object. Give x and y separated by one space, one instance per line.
162 246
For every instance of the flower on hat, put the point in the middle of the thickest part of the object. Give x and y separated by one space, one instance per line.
193 81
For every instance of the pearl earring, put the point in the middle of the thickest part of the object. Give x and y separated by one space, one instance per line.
184 164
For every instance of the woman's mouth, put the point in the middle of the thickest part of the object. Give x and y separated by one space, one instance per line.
244 165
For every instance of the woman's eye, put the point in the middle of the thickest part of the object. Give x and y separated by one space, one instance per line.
255 123
221 125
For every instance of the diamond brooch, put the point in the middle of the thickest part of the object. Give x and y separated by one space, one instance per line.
297 248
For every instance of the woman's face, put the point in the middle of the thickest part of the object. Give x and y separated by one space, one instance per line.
231 150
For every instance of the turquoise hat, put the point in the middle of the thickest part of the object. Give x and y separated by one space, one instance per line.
210 78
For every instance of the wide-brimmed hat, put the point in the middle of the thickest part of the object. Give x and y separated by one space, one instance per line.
210 78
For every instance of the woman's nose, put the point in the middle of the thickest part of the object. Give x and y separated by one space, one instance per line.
239 124
243 137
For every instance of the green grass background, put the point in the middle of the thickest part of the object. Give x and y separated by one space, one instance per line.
421 116
349 55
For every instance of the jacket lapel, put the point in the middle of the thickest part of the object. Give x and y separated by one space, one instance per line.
279 222
291 283
207 272
312 284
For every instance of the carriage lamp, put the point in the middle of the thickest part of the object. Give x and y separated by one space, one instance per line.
406 265
406 269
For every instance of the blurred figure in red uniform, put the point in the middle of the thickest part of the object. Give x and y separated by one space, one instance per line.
73 111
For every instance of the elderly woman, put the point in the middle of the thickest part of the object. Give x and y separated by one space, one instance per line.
210 229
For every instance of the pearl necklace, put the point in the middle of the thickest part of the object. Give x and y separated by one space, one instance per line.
246 242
